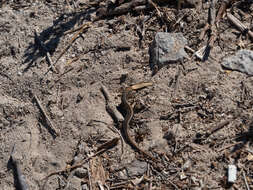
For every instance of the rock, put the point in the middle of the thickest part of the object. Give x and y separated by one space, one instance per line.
242 61
136 168
75 183
81 172
167 48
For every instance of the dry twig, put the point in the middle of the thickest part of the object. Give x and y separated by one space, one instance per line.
226 147
212 16
83 27
210 25
156 8
218 127
245 180
240 25
115 114
50 123
221 11
122 9
211 20
45 50
110 107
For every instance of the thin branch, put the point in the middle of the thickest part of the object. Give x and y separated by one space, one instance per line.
240 25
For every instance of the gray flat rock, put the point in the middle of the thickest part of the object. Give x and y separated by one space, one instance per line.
242 61
137 168
167 48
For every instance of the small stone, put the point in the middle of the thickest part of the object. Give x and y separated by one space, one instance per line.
136 168
20 73
242 61
167 48
81 172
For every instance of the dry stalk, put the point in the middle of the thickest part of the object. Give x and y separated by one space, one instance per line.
239 25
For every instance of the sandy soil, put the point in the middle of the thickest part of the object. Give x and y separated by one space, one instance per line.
172 118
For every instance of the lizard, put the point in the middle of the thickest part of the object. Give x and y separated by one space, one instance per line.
129 116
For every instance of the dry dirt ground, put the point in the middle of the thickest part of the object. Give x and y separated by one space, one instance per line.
172 118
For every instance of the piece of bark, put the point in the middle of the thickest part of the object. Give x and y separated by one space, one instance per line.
97 173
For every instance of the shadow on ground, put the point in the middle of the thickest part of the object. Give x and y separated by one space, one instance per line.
51 37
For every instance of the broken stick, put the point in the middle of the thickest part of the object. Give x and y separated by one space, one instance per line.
115 114
240 25
110 107
218 127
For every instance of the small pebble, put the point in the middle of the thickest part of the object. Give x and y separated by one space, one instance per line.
20 73
167 48
81 172
136 168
